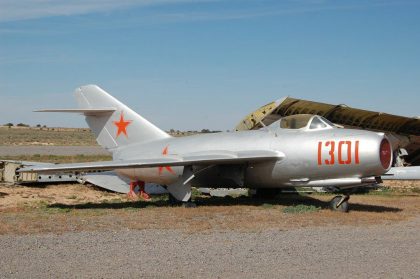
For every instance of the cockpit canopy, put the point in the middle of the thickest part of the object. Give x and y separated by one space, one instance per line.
308 121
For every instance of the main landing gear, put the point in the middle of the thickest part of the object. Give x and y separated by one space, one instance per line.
187 204
340 203
141 194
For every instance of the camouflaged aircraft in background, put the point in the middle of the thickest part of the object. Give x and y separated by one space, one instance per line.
295 151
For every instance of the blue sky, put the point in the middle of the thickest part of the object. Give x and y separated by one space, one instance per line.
206 64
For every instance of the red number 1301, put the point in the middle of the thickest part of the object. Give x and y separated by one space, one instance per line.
345 153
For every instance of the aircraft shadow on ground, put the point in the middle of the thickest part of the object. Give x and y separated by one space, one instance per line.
46 185
289 200
293 200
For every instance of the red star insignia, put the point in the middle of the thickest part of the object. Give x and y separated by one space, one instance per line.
169 169
122 125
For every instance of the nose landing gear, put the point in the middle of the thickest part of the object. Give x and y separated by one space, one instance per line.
340 203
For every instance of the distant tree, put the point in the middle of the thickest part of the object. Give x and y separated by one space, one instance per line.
22 125
205 131
171 131
38 126
9 125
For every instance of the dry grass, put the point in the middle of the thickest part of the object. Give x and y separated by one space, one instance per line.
18 136
46 136
63 208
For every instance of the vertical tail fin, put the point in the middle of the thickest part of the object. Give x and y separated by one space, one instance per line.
119 125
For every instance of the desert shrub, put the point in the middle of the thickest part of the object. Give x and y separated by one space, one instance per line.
22 125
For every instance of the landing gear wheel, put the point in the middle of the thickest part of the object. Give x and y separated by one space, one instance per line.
173 201
340 203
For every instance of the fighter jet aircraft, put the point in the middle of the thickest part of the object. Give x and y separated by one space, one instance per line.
295 151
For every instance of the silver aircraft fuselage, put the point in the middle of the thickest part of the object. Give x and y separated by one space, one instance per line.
298 150
319 157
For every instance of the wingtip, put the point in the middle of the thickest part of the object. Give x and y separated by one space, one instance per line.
86 86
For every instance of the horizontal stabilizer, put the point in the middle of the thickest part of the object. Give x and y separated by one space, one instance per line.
202 158
90 112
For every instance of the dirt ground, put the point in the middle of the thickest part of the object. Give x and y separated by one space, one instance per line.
73 208
13 196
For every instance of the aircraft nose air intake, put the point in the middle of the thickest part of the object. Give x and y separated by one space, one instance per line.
385 154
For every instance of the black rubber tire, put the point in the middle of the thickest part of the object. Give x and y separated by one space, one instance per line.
344 207
173 201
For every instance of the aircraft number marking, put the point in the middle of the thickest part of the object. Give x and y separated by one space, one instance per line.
344 149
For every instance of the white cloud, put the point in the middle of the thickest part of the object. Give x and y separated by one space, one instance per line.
14 10
299 7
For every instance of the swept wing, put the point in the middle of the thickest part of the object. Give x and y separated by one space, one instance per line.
198 158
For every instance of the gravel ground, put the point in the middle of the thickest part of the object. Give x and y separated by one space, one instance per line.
385 251
51 150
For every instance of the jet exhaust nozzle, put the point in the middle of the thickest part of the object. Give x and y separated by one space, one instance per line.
385 154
